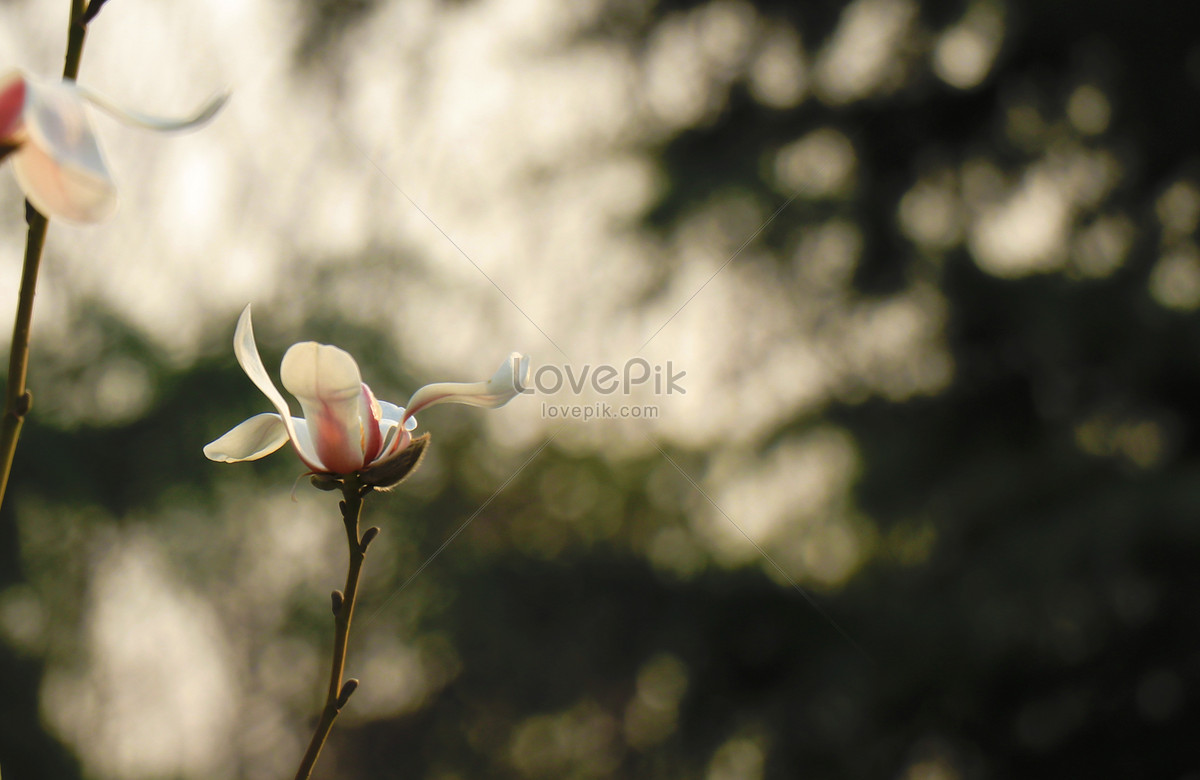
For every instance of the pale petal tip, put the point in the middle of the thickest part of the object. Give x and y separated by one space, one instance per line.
161 124
520 366
244 327
506 383
210 109
251 439
216 456
510 379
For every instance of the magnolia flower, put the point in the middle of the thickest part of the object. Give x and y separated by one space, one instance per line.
345 429
56 159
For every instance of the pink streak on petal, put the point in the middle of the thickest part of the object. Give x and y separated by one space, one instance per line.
12 103
333 444
422 404
372 435
327 382
400 440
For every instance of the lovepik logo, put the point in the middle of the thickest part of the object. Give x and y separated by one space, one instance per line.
606 379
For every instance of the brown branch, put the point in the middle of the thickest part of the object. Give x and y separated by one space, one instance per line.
343 605
17 398
93 10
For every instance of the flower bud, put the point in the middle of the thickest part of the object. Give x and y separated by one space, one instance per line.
348 688
368 537
326 481
387 473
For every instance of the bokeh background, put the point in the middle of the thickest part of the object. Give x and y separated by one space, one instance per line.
929 507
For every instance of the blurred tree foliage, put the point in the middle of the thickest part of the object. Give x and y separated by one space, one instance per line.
1049 629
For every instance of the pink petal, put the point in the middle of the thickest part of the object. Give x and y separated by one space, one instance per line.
60 167
372 433
12 103
328 385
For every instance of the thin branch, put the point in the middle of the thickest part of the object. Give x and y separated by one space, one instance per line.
17 398
343 603
93 10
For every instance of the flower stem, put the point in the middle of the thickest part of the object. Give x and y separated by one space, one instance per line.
339 692
17 399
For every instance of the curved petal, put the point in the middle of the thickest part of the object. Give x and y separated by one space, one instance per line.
389 424
328 384
508 382
206 112
12 104
303 439
248 358
60 167
394 442
389 412
261 435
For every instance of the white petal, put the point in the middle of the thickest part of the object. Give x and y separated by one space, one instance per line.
328 384
394 414
303 440
389 411
508 381
60 166
206 112
248 357
261 435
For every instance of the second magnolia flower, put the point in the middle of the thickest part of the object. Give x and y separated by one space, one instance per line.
345 428
56 159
